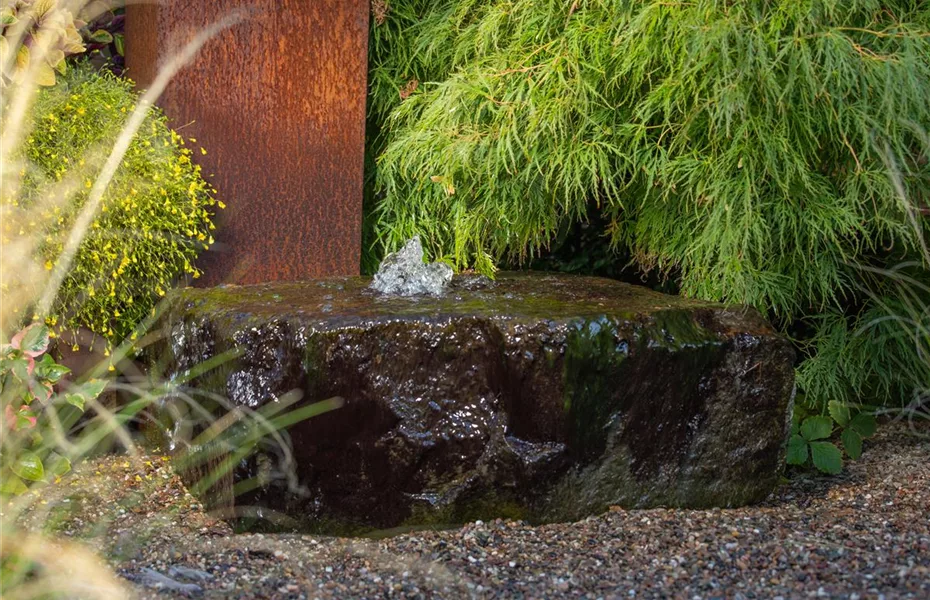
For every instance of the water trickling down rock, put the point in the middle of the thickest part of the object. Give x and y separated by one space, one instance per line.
403 273
542 397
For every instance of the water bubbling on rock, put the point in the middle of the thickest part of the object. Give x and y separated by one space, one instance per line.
403 273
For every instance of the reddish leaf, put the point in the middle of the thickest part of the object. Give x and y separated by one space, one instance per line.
41 391
9 418
16 420
17 340
32 340
26 419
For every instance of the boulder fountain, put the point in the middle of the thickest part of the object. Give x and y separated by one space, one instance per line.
536 396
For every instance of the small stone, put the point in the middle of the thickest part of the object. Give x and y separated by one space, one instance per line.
181 572
153 579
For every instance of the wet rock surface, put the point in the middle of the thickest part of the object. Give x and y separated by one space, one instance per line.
538 397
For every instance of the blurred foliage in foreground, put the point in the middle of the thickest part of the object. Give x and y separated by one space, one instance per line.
101 208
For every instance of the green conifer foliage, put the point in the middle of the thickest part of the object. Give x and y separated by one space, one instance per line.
742 145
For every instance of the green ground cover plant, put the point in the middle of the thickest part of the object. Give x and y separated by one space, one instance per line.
27 388
743 149
809 442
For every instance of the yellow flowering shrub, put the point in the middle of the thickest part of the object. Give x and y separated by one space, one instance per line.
155 217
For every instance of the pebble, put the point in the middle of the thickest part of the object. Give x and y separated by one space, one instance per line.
153 579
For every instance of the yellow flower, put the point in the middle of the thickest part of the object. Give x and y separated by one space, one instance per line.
48 265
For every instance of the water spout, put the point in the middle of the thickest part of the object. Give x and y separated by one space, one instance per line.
403 273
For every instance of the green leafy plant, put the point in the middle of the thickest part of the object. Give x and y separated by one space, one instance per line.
155 217
810 440
741 148
27 388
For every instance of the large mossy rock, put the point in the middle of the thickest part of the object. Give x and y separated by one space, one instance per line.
538 396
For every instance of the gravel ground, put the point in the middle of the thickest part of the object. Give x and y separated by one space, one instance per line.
864 534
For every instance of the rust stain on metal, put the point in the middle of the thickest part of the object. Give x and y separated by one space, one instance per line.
278 101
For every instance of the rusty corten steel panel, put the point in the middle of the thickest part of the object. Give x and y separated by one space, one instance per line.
278 101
